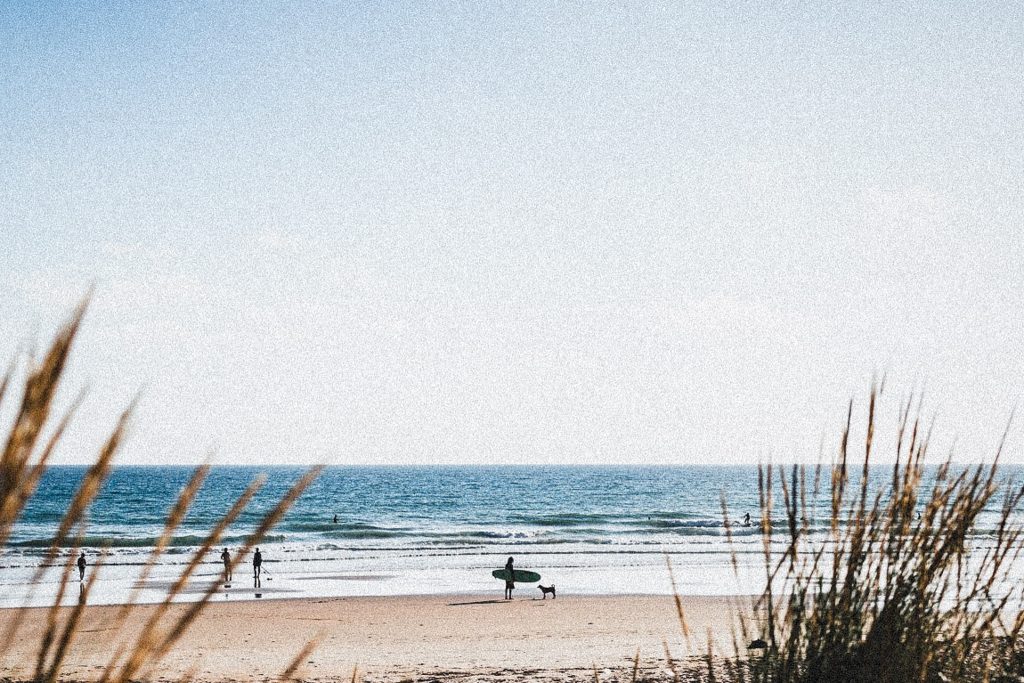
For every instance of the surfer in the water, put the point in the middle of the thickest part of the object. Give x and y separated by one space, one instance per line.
510 582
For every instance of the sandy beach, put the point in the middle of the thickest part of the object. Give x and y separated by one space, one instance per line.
476 637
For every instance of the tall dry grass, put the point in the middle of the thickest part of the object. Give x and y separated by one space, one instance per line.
135 653
897 593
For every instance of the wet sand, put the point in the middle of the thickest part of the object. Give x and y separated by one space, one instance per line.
414 638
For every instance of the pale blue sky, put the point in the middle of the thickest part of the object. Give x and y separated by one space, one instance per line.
515 232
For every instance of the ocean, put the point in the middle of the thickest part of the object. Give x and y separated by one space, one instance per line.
421 530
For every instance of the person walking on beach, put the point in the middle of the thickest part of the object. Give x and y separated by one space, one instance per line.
81 566
257 567
225 557
510 580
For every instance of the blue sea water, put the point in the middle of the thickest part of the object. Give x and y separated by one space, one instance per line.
404 530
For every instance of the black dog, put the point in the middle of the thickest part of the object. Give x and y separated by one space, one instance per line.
544 590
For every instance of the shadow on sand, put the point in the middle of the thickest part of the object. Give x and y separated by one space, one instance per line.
478 602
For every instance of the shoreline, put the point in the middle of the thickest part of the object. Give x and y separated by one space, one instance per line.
452 636
235 596
632 575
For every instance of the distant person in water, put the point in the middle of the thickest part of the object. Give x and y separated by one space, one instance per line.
510 582
81 566
335 519
257 567
746 519
225 557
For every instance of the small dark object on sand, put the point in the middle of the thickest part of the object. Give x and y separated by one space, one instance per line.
757 644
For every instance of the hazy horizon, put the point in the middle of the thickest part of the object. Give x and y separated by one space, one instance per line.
527 233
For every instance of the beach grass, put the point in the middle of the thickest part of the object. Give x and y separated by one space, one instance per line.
135 652
897 593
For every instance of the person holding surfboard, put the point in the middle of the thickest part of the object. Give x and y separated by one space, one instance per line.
510 579
510 575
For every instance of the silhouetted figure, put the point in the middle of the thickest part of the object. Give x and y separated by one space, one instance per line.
510 581
746 519
225 557
335 519
257 567
81 566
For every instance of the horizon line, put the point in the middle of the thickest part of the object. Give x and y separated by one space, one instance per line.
853 465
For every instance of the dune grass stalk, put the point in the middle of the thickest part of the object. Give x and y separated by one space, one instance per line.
897 593
23 461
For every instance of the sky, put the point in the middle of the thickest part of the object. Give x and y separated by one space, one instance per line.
416 233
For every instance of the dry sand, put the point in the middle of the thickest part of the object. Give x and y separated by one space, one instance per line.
413 638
